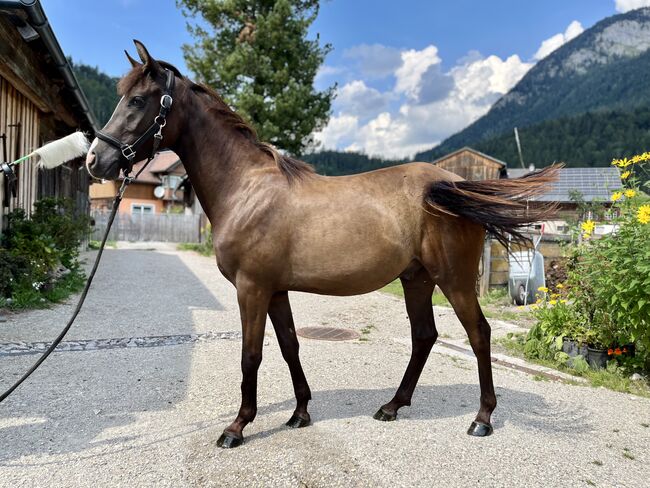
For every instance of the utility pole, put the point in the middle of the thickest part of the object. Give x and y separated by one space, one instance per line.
521 158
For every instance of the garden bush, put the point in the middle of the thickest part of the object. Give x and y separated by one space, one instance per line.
32 248
605 302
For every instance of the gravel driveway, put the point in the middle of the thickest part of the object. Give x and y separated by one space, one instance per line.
152 376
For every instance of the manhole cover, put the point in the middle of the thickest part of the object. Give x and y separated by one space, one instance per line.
327 333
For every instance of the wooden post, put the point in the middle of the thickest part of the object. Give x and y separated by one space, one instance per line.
484 280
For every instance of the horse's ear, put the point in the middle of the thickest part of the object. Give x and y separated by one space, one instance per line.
133 62
149 63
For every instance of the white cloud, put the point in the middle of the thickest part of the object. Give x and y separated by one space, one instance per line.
414 65
627 5
475 85
340 131
374 60
425 105
358 99
552 43
326 71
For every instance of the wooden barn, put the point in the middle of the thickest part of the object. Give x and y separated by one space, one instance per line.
472 164
40 100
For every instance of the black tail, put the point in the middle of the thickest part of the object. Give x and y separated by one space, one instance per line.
501 206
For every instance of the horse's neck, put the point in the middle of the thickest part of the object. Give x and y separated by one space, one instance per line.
216 159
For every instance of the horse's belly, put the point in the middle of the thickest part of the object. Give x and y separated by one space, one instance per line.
350 263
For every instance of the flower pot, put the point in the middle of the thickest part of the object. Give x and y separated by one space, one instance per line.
583 350
570 347
597 358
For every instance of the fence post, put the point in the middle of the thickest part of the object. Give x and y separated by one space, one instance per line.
484 280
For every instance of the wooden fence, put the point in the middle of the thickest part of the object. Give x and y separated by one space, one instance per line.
149 227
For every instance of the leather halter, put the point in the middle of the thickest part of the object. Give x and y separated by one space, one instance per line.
155 130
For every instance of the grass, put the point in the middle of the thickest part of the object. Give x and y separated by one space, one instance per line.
514 345
31 298
496 304
201 248
94 245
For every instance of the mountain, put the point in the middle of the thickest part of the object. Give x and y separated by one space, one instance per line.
100 89
600 72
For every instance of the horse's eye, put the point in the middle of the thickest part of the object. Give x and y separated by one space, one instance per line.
137 102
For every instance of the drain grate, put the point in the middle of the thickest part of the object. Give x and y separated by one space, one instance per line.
328 333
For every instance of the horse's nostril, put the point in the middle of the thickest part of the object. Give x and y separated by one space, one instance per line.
90 158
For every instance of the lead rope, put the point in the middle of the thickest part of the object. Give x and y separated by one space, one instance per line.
116 205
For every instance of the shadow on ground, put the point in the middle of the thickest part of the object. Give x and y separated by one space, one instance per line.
71 402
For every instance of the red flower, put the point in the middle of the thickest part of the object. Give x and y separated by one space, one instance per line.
610 351
618 351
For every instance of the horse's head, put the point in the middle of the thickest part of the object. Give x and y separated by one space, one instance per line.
142 91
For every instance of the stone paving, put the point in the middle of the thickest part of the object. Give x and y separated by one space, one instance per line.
150 416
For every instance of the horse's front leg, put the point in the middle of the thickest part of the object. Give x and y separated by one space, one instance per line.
253 307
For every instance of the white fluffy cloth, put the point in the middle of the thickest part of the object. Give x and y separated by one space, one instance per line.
62 150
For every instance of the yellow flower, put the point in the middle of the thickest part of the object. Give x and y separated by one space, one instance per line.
555 295
543 289
643 214
560 286
625 175
552 302
562 301
534 307
588 227
617 195
630 193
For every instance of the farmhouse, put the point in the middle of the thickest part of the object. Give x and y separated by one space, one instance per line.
40 100
162 187
472 164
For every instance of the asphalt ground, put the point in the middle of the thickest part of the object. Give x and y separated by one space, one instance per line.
141 413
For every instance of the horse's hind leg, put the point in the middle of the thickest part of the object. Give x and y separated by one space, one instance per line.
282 319
463 298
417 294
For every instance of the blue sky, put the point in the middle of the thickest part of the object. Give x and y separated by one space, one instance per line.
409 72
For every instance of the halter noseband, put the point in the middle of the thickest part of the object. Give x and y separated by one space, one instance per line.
155 130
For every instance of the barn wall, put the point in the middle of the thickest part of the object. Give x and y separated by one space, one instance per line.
471 166
19 121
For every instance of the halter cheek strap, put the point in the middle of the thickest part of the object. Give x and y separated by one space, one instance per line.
155 130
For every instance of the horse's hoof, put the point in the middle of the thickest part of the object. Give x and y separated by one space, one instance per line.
479 429
384 416
228 441
296 422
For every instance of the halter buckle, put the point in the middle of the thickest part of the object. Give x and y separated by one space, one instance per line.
166 101
128 152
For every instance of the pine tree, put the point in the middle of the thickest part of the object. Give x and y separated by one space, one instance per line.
257 56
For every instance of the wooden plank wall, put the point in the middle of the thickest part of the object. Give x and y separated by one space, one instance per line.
471 166
19 120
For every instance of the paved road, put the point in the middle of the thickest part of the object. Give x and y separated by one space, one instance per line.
150 416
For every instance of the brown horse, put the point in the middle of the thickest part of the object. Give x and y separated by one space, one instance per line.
278 226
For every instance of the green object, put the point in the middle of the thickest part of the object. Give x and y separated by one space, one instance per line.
20 160
257 56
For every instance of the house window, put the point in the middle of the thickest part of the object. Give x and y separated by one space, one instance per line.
142 209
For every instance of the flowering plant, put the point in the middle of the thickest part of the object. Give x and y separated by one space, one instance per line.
610 277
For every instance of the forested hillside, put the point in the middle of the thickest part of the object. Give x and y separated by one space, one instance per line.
100 89
334 163
591 139
602 70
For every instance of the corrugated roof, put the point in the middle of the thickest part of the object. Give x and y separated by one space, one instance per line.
592 183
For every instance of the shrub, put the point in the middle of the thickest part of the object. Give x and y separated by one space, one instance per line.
32 248
606 301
